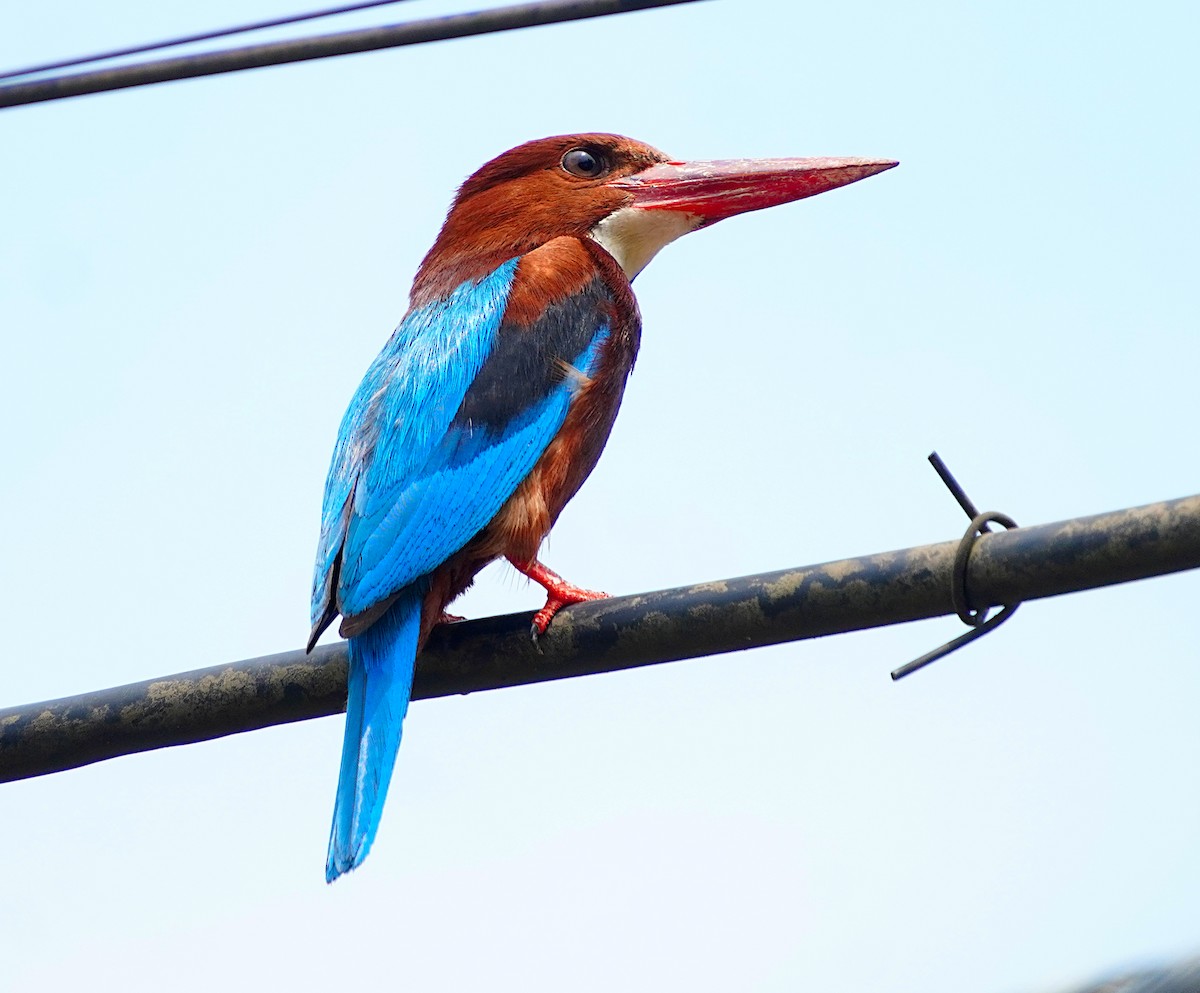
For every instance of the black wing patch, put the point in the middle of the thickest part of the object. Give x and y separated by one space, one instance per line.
527 362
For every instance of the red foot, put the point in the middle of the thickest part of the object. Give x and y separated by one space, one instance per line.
445 618
559 593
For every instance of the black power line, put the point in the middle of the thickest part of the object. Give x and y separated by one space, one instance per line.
608 635
189 39
320 47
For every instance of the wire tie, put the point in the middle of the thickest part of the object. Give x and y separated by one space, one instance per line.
976 620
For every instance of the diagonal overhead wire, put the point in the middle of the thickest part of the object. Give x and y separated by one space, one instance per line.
156 46
318 47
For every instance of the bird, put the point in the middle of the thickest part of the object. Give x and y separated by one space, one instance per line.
491 403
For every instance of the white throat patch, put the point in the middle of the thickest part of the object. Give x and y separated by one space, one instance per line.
634 235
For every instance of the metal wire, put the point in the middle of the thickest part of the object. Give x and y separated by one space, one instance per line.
320 47
157 46
977 619
953 485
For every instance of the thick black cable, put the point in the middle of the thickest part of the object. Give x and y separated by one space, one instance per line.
156 46
320 47
608 635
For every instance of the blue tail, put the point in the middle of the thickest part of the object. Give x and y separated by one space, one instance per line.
381 671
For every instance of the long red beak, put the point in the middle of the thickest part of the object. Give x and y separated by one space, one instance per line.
716 190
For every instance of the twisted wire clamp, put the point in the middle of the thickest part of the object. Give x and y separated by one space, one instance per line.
977 620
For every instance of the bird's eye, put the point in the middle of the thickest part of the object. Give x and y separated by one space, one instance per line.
582 163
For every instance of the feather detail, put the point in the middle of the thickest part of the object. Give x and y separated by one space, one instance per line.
513 206
378 691
521 525
455 414
397 418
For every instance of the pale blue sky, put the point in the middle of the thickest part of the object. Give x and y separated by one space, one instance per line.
193 278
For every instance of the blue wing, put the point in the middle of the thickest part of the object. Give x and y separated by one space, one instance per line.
449 419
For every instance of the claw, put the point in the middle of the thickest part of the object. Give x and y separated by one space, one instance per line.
542 619
559 592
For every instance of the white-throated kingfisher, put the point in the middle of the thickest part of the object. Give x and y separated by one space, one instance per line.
491 402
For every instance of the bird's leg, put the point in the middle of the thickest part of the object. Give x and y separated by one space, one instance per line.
445 618
559 593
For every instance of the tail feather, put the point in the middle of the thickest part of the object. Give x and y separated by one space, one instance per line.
380 682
